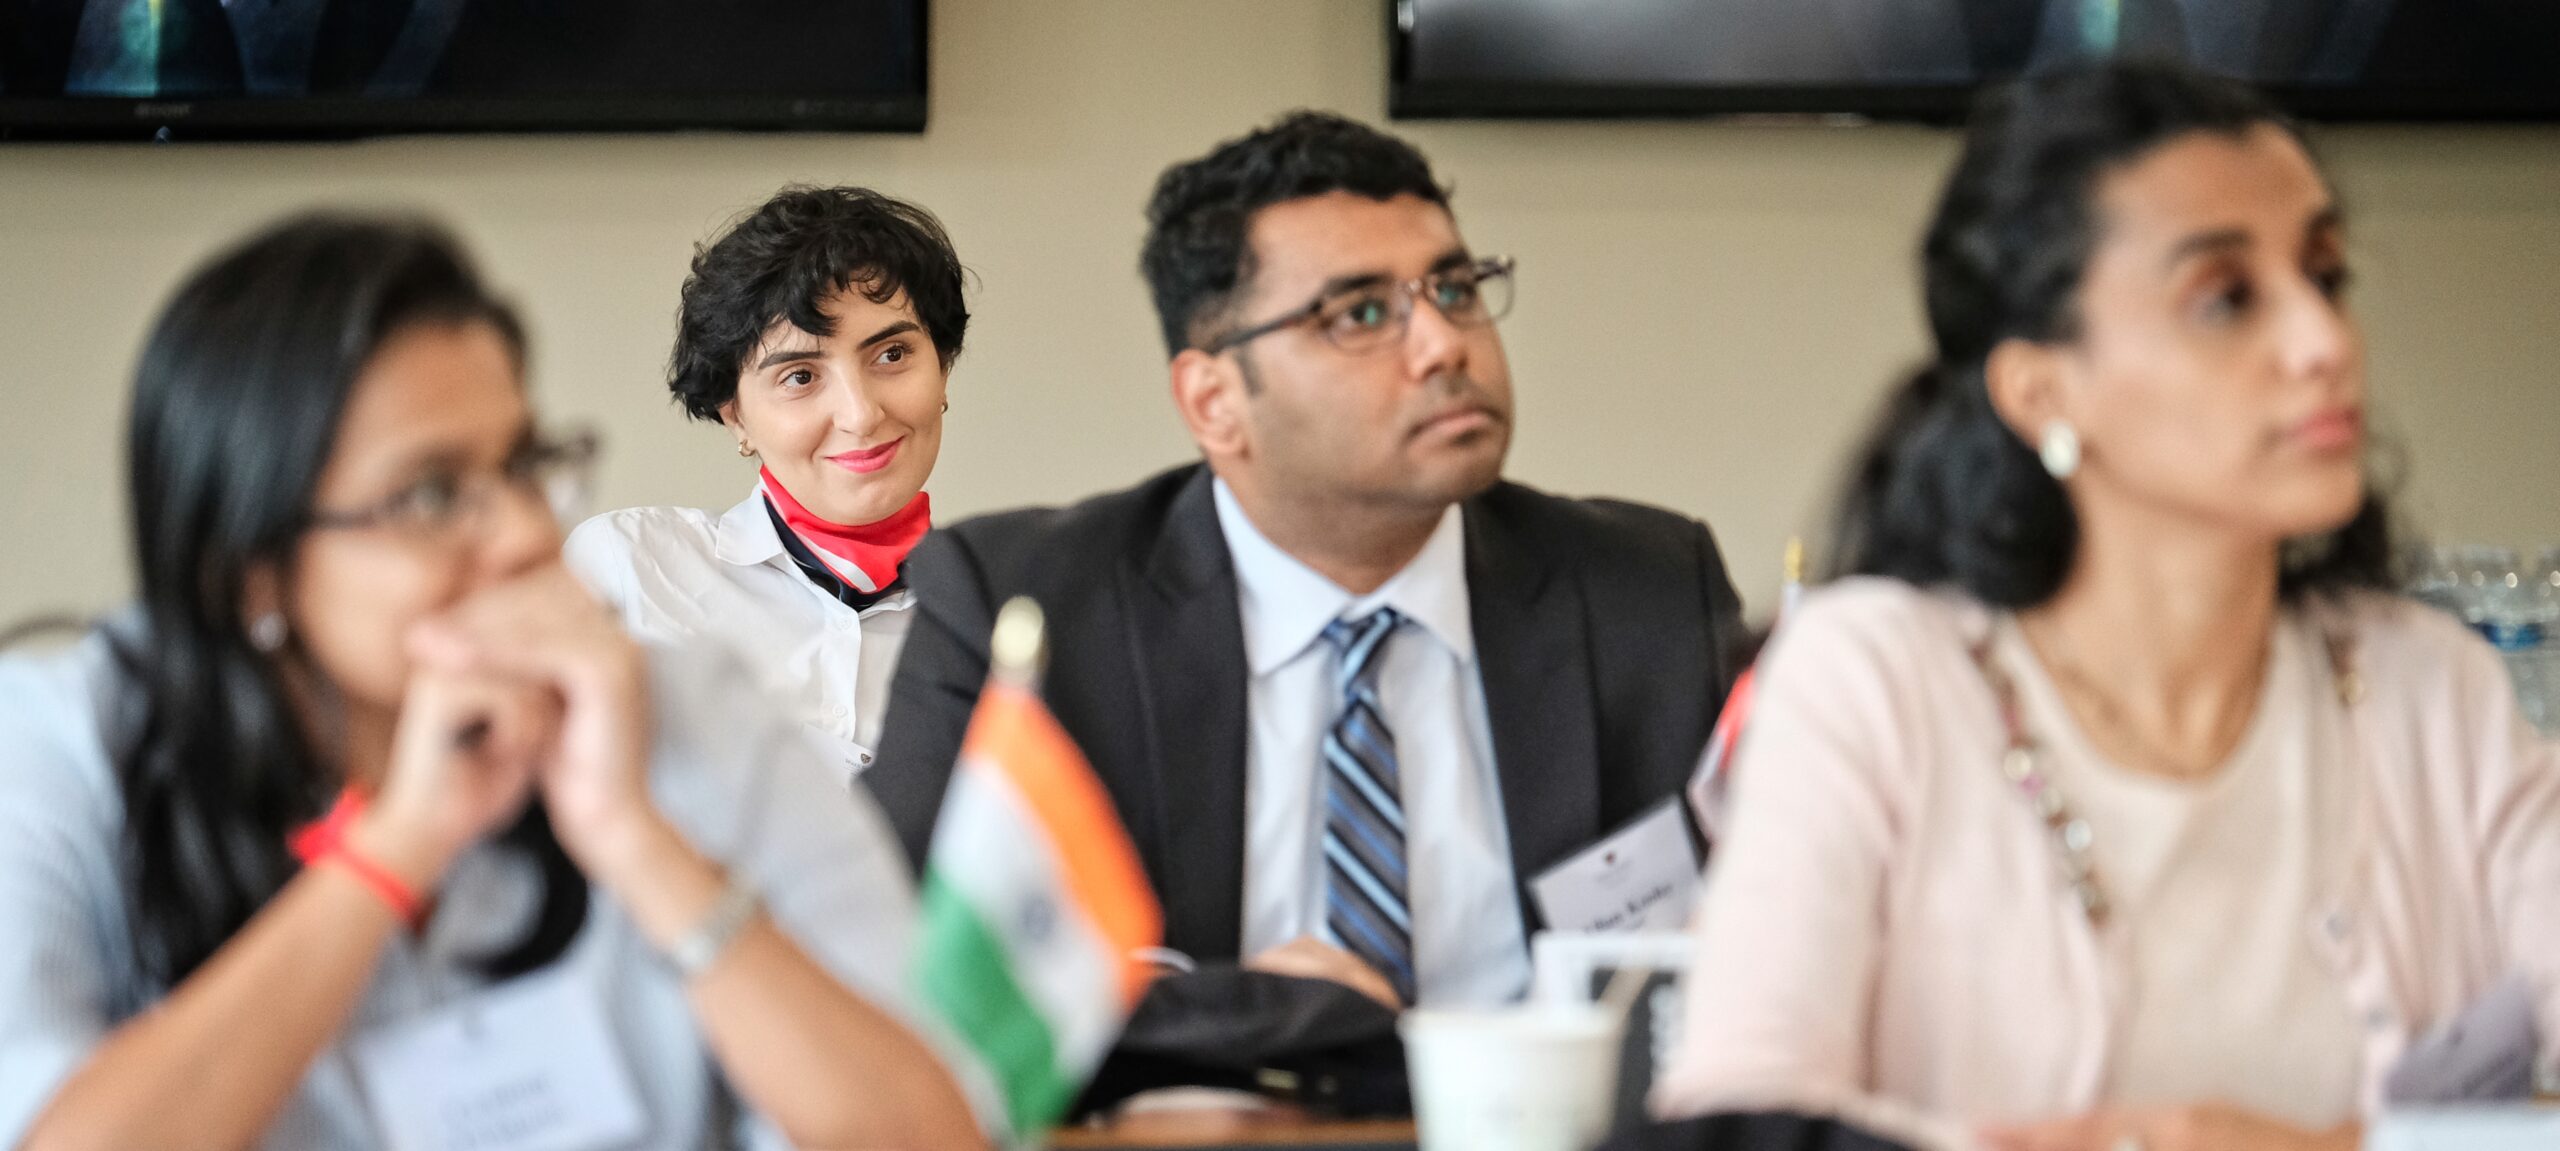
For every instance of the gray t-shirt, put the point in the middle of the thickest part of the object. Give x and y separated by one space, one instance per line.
741 783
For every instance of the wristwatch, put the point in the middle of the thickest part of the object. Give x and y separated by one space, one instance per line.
695 951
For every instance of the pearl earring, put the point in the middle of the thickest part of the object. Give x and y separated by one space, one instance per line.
744 451
267 632
2060 449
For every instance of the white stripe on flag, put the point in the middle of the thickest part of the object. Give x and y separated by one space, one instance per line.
996 856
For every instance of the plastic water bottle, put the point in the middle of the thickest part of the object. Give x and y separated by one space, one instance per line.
2546 589
2517 608
2511 608
2478 574
2436 580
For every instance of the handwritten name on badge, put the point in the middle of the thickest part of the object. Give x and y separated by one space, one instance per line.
529 1065
507 1116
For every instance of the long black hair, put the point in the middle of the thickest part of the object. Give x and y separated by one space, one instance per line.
1944 493
236 406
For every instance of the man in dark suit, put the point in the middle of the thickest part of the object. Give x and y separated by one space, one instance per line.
1348 689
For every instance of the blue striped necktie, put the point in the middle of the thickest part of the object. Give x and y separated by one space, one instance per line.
1364 867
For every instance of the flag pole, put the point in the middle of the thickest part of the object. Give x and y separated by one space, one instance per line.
1021 644
1791 588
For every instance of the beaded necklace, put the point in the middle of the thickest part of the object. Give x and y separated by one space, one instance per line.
2071 834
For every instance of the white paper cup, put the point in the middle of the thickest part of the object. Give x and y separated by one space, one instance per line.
1537 1078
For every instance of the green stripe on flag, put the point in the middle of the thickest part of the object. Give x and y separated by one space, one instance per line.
967 977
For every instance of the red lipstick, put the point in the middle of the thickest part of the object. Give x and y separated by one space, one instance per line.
865 461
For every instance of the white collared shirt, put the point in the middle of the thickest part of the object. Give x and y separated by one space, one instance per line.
1468 946
678 574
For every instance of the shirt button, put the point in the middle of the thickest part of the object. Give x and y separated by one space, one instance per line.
835 711
843 623
865 757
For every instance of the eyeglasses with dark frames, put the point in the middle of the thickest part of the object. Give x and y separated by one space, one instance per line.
448 504
1371 316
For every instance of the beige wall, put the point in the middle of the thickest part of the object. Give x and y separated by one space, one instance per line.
1706 312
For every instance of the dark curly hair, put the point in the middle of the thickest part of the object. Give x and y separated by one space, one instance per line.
1196 253
1944 492
788 258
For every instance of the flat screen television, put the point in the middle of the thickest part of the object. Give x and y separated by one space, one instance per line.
235 69
1922 59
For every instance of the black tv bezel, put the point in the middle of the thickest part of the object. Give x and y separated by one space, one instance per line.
37 119
87 118
1940 104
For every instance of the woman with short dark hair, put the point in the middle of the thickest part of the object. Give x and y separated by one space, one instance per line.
367 827
2110 801
819 330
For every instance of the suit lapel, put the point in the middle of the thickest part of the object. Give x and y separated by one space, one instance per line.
1531 653
1189 657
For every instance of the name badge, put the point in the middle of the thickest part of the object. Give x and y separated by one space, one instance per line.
529 1065
1642 878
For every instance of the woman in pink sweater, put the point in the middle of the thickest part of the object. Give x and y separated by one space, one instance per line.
2112 803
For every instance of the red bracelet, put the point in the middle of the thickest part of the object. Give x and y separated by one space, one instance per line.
325 841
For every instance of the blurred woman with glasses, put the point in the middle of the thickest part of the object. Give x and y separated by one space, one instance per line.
367 826
2112 801
819 331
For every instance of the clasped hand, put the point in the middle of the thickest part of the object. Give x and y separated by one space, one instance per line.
528 687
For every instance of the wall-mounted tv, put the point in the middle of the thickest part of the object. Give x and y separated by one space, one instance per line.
1922 59
217 69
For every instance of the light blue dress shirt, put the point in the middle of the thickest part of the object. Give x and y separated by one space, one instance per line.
1467 941
745 786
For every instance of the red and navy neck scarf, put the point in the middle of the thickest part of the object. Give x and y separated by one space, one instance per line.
858 565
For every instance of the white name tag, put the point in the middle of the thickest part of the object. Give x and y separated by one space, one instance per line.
1640 879
529 1065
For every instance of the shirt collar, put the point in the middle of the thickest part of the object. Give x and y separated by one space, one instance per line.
1285 604
745 534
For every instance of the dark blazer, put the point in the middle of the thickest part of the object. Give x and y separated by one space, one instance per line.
1604 633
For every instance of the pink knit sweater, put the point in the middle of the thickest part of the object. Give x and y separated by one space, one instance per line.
1886 934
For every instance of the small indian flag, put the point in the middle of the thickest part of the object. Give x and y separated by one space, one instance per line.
1034 902
1713 781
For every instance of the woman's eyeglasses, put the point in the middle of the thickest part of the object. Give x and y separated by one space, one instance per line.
444 504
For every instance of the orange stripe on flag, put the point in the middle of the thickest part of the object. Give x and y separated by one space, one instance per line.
1014 735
